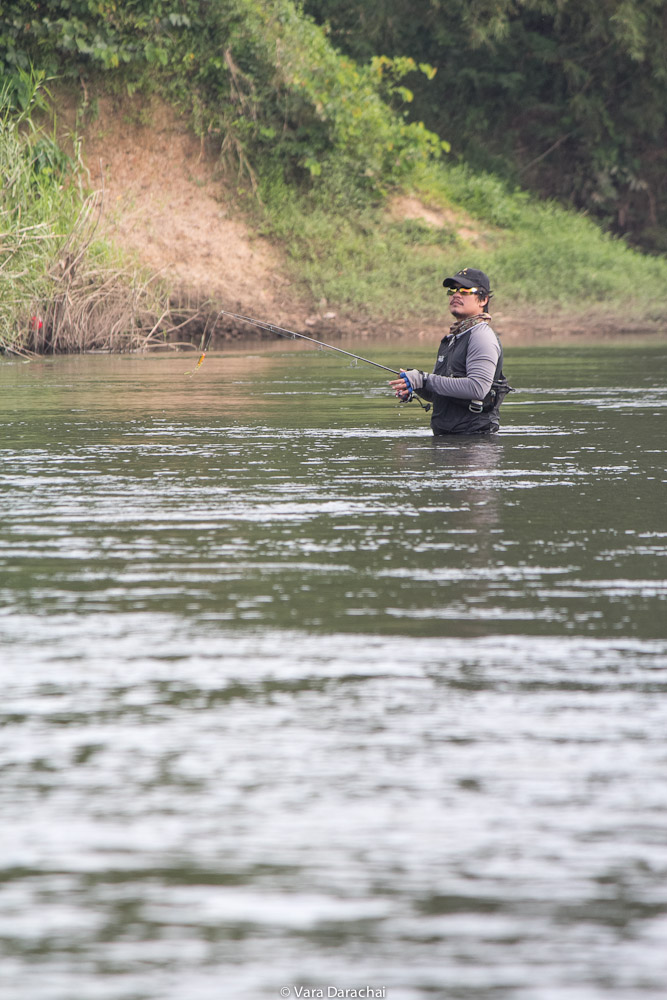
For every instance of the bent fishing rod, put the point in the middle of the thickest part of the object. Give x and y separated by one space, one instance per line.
292 335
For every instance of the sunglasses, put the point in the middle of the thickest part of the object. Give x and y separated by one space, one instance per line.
462 291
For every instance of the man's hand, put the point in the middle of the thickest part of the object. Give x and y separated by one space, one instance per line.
416 379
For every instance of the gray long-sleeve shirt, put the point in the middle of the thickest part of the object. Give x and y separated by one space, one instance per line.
481 362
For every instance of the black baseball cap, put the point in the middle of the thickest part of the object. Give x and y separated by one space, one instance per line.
469 277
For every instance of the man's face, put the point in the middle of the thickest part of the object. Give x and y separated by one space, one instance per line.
461 306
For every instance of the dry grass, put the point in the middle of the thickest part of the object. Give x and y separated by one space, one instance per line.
62 289
65 295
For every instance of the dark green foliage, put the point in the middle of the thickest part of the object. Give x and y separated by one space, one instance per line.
567 97
260 79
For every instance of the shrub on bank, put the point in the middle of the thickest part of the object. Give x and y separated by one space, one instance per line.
62 290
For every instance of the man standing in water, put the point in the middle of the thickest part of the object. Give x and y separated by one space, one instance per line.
467 385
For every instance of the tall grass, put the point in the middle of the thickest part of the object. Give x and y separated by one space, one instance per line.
61 289
545 256
553 255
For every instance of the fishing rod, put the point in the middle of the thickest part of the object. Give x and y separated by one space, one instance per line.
291 335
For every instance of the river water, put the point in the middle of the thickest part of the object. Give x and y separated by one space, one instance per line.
297 698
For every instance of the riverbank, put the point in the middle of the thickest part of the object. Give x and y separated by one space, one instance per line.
167 205
168 238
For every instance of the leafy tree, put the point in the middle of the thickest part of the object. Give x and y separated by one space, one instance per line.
566 96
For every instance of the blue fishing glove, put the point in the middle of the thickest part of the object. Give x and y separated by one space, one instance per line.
415 377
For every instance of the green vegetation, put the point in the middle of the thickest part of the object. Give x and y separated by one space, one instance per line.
568 97
547 256
550 255
316 143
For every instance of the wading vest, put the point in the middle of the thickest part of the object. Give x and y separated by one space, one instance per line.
454 416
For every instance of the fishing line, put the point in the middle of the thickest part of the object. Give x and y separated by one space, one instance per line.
291 335
204 345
